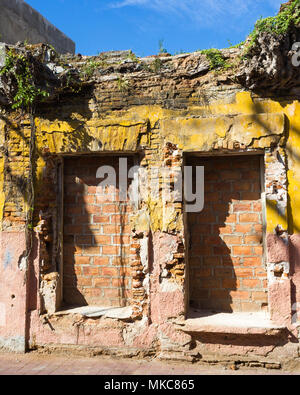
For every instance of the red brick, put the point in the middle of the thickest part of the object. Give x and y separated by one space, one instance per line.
125 271
253 261
242 186
221 187
71 270
84 281
111 229
250 306
258 228
211 197
102 282
250 195
91 209
223 250
84 239
219 294
86 199
101 219
242 250
257 206
109 271
110 250
90 271
231 261
102 239
109 209
210 283
249 217
230 175
72 229
237 207
229 283
112 292
257 239
202 272
252 175
231 197
227 201
212 240
212 260
260 296
231 218
91 250
243 228
120 282
251 283
243 295
71 210
91 189
261 273
258 250
82 260
224 272
122 219
211 175
229 240
224 229
207 218
101 261
244 272
220 207
121 239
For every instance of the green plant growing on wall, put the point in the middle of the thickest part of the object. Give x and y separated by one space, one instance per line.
162 49
27 93
18 70
277 25
239 45
123 85
90 66
133 57
215 58
156 65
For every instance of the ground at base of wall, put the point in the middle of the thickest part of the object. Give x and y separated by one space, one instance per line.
42 363
188 360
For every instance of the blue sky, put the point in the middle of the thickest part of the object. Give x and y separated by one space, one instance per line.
139 25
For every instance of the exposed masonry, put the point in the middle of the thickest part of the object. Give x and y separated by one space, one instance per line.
227 269
96 236
132 287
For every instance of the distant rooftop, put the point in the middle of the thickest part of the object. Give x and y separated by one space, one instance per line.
20 22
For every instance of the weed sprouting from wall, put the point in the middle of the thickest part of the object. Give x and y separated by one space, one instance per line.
18 67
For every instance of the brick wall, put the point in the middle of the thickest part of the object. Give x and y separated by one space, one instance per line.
96 236
226 254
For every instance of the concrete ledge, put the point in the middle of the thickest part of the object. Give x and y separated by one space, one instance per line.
121 313
234 323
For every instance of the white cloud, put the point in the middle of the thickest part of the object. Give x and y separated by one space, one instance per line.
202 9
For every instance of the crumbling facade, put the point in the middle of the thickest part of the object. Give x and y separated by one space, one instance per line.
145 277
19 22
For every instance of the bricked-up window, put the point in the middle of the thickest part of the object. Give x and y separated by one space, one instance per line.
96 236
226 267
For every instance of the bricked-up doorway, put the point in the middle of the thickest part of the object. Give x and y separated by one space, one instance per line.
225 256
96 236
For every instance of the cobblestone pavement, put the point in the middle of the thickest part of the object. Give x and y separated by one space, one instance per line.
40 364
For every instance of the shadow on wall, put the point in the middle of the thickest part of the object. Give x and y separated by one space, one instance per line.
221 246
96 236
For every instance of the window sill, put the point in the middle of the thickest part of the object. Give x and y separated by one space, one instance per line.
252 323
